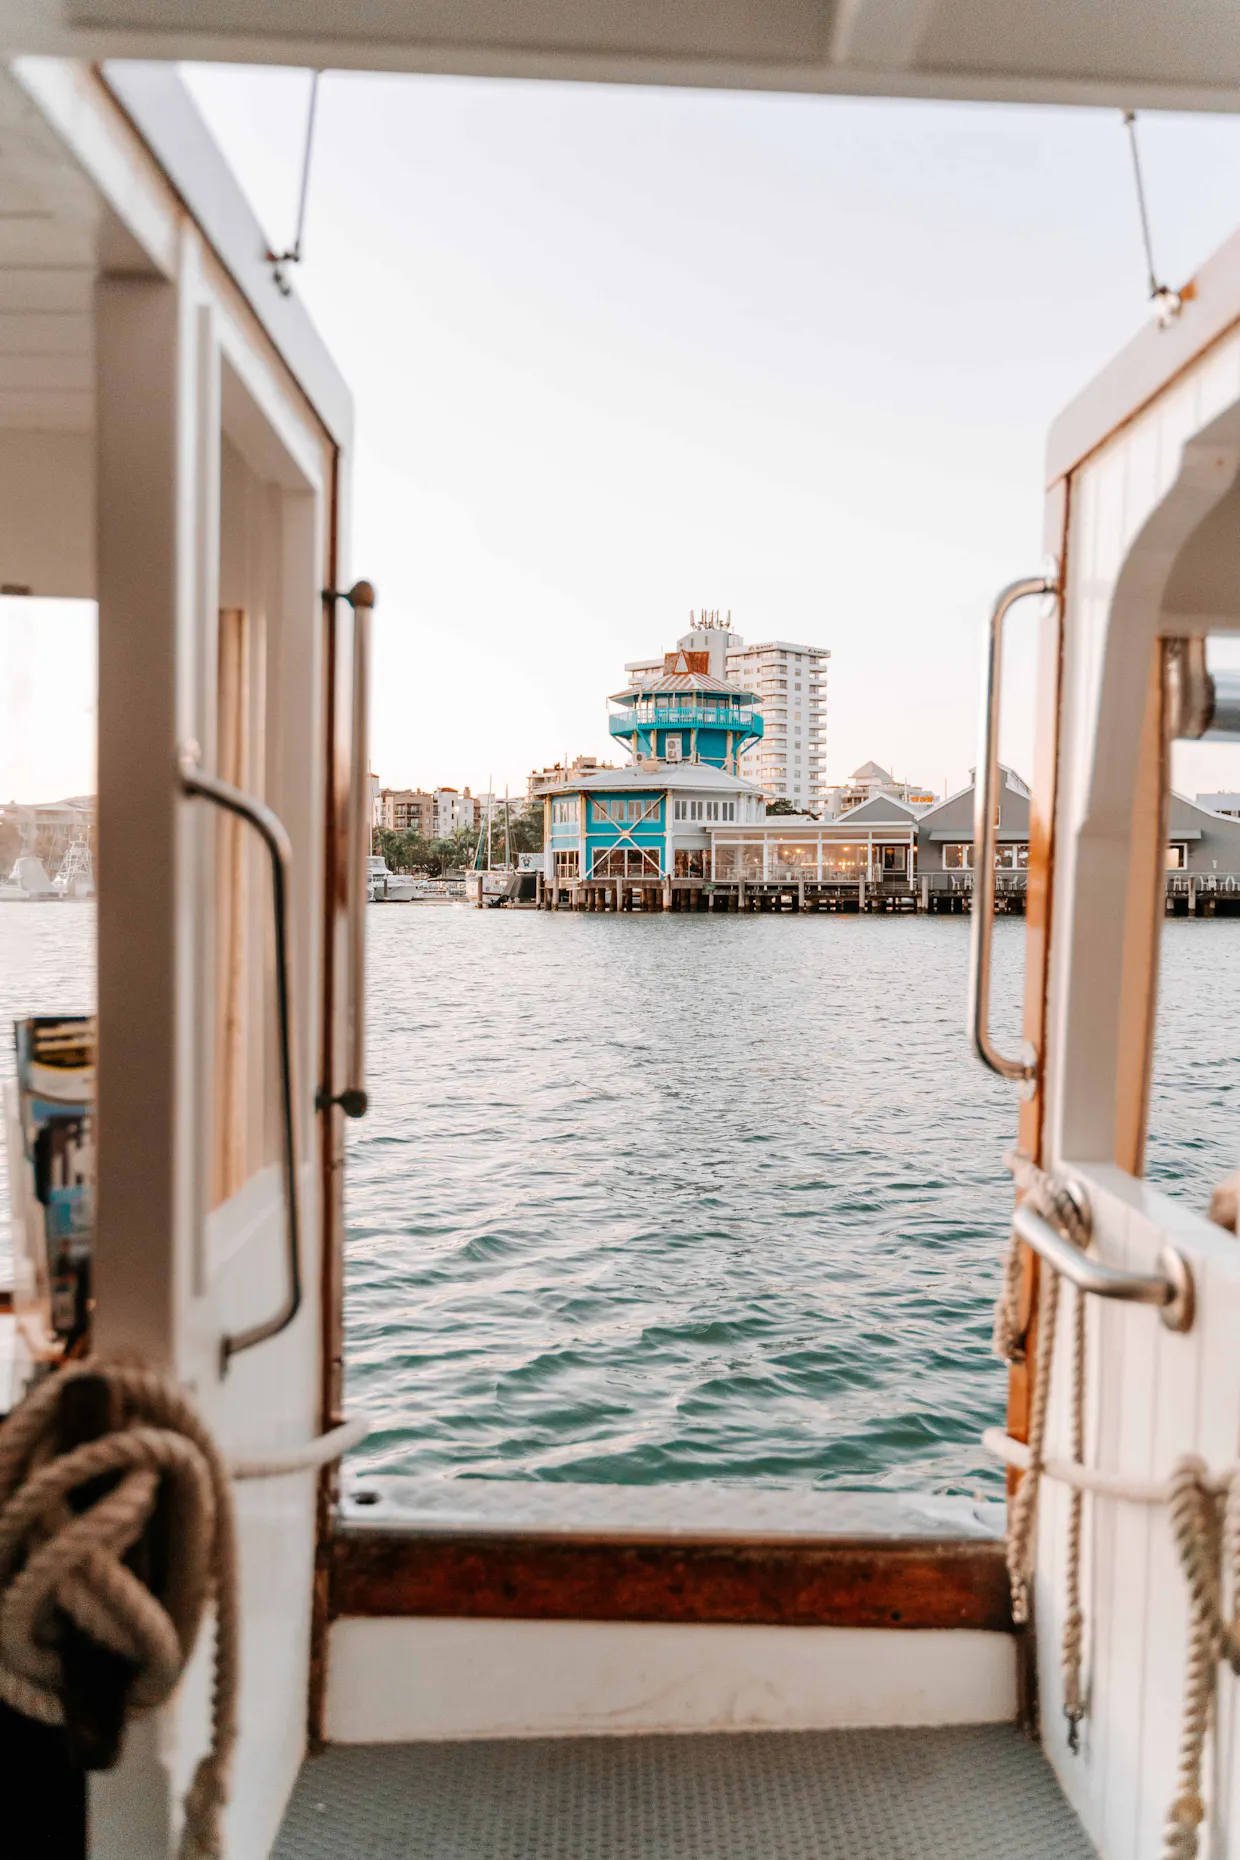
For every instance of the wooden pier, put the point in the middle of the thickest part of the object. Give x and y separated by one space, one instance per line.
938 892
1187 895
1206 894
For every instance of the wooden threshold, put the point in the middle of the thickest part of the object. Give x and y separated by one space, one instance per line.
859 1582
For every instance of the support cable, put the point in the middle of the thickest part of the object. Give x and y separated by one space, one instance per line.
1168 303
279 260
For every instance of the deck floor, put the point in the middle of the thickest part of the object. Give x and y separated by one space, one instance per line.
977 1792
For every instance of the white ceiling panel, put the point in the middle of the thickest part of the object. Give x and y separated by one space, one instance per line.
1148 53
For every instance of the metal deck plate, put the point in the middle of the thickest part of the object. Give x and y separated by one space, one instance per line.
977 1792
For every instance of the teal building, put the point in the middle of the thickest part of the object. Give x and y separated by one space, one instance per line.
685 731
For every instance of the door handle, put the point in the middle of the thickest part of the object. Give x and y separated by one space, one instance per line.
985 827
271 829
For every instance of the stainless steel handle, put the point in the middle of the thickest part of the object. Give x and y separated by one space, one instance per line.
1201 703
1170 1288
272 831
1224 725
986 792
361 598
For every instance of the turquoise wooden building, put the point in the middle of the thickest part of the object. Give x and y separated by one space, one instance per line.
651 821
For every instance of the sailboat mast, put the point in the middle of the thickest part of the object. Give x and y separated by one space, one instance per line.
507 838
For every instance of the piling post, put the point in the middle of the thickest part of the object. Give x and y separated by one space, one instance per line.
861 891
800 894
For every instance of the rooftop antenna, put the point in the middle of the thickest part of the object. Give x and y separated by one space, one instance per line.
1168 303
280 260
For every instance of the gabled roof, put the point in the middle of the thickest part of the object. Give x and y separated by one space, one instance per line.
870 771
678 683
654 777
1189 820
883 807
1011 781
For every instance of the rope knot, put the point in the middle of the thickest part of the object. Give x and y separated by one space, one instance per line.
71 1528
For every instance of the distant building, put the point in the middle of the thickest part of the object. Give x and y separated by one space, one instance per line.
47 829
788 684
454 812
866 784
435 814
1221 804
407 810
540 781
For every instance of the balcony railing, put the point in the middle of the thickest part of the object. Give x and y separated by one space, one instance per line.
708 716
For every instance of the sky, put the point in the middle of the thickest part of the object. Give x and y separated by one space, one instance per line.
621 353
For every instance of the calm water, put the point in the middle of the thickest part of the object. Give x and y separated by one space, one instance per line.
656 1198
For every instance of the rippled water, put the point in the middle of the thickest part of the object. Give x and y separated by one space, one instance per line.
650 1198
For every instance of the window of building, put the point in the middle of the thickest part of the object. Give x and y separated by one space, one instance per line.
567 865
958 858
1177 858
734 859
1012 858
625 862
619 812
692 862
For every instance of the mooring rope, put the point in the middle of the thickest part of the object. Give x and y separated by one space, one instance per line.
1205 1522
57 1558
1057 1204
1204 1509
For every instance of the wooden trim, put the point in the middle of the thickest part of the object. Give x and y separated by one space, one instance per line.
330 1137
1144 911
873 1583
1039 899
1039 905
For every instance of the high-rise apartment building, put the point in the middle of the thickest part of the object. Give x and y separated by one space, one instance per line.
789 681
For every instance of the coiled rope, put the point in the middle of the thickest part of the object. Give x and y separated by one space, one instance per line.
1205 1522
54 1557
1057 1204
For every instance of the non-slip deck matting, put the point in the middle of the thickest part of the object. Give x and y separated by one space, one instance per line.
978 1792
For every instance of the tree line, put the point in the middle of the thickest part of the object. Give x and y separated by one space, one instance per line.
407 850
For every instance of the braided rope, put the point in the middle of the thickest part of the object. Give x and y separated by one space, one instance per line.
1074 1617
53 1558
1205 1523
1056 1204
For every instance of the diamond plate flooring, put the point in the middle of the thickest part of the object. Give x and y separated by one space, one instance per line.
975 1792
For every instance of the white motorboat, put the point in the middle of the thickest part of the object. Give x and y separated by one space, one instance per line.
28 882
387 887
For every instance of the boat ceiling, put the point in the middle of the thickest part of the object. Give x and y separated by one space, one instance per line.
49 233
1142 53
